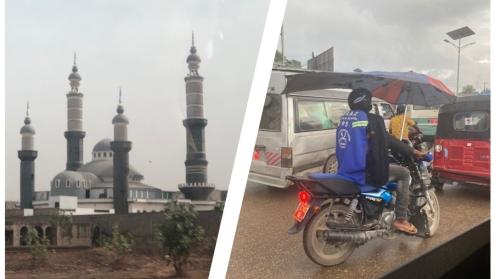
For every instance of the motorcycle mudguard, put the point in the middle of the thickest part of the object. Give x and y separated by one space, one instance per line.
298 226
421 222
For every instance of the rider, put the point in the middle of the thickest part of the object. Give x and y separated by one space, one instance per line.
399 120
362 153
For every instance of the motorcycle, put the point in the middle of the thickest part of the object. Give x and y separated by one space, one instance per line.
337 215
416 138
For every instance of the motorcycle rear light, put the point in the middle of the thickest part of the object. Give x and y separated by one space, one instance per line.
438 148
286 157
433 121
304 196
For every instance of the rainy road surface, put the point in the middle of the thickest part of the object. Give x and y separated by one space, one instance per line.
263 249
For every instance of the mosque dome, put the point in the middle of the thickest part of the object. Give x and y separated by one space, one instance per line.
27 129
102 164
102 145
74 75
68 183
120 118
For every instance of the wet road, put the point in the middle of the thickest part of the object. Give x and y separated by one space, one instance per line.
263 249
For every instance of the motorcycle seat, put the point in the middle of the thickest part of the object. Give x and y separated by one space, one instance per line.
341 185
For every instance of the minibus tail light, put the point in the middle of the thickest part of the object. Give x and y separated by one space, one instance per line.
286 157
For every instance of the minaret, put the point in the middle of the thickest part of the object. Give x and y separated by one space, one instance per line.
74 133
196 186
27 154
121 147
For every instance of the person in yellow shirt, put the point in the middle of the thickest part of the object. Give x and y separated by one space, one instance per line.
397 121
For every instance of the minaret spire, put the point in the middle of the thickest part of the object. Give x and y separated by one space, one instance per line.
120 95
196 186
192 38
121 147
27 109
27 155
74 133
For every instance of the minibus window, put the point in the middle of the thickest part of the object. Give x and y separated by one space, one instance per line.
334 112
472 121
271 115
387 111
312 116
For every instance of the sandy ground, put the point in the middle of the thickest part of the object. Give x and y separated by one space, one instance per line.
97 263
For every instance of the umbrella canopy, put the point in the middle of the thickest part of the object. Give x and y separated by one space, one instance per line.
406 88
392 87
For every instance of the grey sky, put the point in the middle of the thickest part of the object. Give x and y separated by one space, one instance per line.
392 36
141 46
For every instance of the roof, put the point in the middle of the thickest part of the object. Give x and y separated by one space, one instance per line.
102 145
468 103
27 129
105 169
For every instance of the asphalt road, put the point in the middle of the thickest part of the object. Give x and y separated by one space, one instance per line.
263 249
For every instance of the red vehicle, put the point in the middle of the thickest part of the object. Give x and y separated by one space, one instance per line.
461 147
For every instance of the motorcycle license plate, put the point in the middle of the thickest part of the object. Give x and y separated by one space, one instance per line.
301 211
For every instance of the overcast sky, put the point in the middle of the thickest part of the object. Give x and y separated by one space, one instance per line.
141 46
392 36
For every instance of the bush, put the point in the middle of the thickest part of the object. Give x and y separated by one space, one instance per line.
179 234
62 221
38 247
120 245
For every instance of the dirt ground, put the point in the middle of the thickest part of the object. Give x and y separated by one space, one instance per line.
97 263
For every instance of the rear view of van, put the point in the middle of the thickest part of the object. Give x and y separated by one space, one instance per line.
297 132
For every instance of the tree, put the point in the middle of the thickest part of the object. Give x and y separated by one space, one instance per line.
120 245
38 247
179 234
468 90
288 63
62 221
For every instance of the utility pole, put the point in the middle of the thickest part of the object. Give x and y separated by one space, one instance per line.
282 44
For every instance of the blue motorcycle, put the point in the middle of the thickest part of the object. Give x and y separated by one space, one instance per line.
337 215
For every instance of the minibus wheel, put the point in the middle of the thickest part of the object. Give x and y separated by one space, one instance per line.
331 164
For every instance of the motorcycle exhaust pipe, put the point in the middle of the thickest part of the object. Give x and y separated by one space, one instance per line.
353 236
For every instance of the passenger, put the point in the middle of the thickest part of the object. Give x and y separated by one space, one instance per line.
362 153
396 123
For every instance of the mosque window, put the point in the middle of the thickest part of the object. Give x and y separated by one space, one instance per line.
67 183
141 194
57 183
110 154
147 195
105 154
77 184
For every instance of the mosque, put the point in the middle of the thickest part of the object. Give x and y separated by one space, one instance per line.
109 183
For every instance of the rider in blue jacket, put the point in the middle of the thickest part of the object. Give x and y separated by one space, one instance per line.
362 147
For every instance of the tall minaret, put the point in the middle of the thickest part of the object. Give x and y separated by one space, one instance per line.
121 147
196 160
74 133
27 154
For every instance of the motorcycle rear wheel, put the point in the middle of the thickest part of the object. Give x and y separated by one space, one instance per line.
323 252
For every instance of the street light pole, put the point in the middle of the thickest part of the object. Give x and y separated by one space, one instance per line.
458 34
458 68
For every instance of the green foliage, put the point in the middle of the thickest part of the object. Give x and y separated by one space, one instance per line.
37 247
120 245
288 63
219 207
63 221
468 90
179 234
